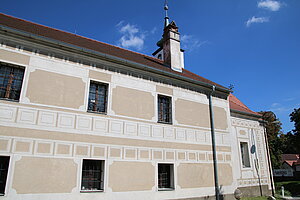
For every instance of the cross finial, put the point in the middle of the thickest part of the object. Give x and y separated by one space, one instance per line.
166 8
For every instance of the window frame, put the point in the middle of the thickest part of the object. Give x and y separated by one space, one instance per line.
102 176
7 174
172 177
9 84
161 109
106 99
245 161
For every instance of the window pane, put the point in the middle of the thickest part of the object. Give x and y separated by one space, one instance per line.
165 176
4 162
97 97
92 175
11 78
164 109
245 154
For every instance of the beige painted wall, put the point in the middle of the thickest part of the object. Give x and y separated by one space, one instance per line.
195 175
197 114
132 103
131 176
220 115
55 89
164 90
14 57
100 76
34 175
192 113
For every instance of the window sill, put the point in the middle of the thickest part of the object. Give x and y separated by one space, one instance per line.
166 189
170 123
94 112
91 191
11 100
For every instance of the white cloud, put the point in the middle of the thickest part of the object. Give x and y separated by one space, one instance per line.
269 5
275 104
256 20
131 36
190 43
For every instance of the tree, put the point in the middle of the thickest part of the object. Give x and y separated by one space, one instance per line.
274 135
295 137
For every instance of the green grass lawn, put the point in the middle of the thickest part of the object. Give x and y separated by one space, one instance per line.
291 188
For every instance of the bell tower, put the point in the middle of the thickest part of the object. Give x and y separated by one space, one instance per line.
169 46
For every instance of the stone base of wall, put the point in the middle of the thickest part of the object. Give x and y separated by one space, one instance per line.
212 197
255 191
246 192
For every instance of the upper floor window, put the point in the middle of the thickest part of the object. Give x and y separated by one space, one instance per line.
245 154
98 97
164 109
11 78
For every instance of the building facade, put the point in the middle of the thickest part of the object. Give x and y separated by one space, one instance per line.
80 119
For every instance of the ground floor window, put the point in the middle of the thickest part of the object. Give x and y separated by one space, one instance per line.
4 163
165 176
92 175
245 154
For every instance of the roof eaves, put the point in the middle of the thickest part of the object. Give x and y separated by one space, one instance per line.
111 57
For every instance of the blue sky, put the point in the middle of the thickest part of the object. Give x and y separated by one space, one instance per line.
252 44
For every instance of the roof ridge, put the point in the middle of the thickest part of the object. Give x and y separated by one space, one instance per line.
94 40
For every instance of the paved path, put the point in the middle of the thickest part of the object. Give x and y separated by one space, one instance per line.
292 198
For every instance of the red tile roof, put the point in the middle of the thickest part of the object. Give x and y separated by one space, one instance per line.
83 42
291 159
87 43
237 105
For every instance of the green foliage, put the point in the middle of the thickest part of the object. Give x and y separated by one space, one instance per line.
295 137
273 130
291 188
280 143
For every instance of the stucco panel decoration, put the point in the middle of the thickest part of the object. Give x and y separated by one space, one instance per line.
131 176
191 113
14 57
192 175
132 103
43 89
33 175
195 175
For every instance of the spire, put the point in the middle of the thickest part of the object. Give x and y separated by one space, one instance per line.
166 8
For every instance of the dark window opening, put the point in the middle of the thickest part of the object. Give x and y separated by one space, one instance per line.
92 175
4 163
98 97
245 154
11 78
165 176
164 109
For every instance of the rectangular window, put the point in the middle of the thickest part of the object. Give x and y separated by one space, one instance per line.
164 109
98 97
4 163
11 78
92 175
245 154
165 176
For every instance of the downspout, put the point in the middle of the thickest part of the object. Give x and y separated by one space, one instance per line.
217 192
268 157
